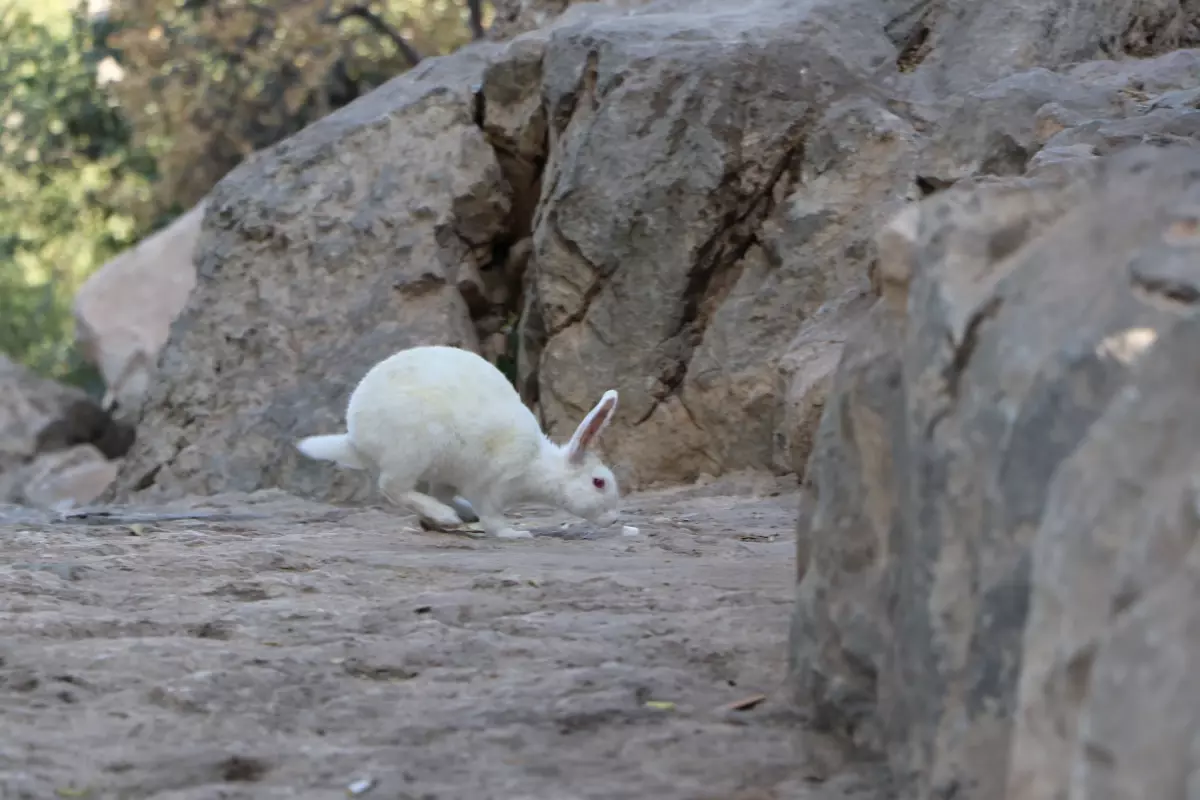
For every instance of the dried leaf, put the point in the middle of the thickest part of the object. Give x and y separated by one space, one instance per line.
758 537
746 703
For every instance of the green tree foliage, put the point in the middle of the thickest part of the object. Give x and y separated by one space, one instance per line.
109 129
72 186
210 81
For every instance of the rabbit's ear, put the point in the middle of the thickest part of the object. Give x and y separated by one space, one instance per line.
596 421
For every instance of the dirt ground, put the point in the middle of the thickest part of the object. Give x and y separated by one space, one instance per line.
271 647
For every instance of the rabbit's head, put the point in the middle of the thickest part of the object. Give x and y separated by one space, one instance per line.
590 488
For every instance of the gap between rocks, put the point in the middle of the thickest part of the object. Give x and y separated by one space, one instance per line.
502 297
499 292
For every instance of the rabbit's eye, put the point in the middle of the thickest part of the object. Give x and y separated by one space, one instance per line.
598 483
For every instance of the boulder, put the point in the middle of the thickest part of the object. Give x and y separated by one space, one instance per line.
1004 459
318 257
659 198
124 310
40 419
806 371
1108 703
1003 127
28 403
698 208
955 46
665 226
67 478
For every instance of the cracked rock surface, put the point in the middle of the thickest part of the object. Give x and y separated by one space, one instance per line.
628 192
675 199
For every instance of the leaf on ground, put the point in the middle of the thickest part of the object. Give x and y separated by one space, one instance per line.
746 703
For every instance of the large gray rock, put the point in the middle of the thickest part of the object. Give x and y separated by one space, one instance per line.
28 404
124 310
317 258
714 176
1001 127
665 226
1008 343
956 45
52 434
1108 703
675 200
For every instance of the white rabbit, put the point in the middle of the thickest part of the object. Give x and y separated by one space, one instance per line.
446 418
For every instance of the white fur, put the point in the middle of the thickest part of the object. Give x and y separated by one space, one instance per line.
336 448
446 418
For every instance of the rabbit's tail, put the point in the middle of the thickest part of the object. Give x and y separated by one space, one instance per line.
337 448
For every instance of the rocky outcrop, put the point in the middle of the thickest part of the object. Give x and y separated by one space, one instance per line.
1108 703
28 403
586 216
955 46
66 478
997 562
318 258
742 178
124 310
676 200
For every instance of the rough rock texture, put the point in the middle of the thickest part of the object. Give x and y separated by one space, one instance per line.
28 402
67 478
655 201
38 419
673 200
955 45
271 648
741 182
124 310
1088 109
318 258
1109 698
1016 410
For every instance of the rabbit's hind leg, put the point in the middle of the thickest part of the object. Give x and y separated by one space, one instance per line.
399 487
446 494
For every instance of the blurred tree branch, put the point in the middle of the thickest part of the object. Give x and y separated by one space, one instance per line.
207 82
382 26
475 19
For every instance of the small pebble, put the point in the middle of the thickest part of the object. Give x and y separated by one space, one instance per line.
360 787
629 530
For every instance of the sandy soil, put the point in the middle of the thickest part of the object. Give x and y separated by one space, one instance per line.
276 648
